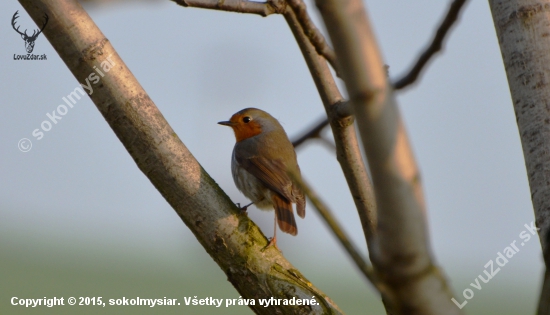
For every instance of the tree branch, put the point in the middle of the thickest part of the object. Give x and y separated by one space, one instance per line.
341 110
403 260
435 46
231 239
347 146
522 28
313 132
313 33
340 234
329 144
239 6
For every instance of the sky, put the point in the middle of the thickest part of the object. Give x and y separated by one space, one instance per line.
77 198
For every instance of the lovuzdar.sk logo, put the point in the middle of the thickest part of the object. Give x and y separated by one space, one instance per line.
29 40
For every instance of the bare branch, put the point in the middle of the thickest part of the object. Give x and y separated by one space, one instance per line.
313 33
340 110
231 239
343 130
329 144
434 47
403 260
313 132
521 28
336 228
239 6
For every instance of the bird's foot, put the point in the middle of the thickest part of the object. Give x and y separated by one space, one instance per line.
243 209
272 242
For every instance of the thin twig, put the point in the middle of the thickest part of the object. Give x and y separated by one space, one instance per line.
313 33
341 110
329 144
336 228
313 132
434 47
239 6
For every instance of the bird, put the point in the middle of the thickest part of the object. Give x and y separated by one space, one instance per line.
262 157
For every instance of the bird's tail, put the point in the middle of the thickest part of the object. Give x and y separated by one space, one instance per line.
285 215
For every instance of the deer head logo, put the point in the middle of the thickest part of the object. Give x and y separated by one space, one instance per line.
29 40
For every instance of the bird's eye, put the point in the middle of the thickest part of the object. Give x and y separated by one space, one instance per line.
247 119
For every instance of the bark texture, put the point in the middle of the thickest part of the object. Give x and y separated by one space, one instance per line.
523 30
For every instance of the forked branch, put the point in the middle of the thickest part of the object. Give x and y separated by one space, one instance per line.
313 33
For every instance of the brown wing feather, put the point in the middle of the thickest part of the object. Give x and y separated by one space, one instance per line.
285 216
271 173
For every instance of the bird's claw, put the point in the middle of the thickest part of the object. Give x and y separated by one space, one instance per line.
272 242
243 209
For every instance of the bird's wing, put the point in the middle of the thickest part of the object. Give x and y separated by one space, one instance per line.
271 172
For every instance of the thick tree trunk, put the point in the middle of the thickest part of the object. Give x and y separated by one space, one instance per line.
523 30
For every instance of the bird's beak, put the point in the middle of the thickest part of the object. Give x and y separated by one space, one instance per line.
226 123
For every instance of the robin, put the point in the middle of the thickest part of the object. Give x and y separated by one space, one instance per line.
261 159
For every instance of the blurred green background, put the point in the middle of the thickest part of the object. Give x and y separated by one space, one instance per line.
67 269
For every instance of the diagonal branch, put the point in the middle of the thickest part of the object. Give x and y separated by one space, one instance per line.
313 132
239 6
231 239
341 110
403 259
337 229
313 33
435 46
348 152
329 144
